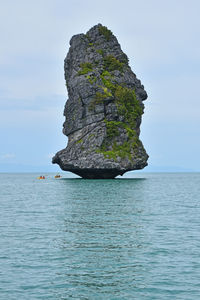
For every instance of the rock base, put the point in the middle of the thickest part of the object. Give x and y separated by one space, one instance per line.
97 173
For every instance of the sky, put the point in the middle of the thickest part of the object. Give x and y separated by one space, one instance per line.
161 39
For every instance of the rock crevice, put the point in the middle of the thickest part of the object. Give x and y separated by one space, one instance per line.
104 109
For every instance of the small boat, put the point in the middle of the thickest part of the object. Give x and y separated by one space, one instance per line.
57 176
41 177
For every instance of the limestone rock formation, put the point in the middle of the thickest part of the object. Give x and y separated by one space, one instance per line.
104 109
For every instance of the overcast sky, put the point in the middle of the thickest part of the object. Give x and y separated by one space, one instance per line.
161 39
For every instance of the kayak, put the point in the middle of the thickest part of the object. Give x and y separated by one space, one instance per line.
57 176
41 177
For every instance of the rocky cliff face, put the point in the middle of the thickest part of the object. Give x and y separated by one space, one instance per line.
104 109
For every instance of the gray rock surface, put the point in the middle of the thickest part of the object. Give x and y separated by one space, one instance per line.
104 109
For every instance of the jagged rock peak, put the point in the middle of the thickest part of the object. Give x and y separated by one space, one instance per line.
104 108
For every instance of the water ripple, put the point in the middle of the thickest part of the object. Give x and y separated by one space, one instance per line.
100 239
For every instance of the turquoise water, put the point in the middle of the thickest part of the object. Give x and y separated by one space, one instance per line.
136 238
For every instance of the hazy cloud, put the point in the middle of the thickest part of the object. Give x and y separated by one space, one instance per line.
7 156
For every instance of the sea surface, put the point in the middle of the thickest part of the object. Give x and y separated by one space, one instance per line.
127 238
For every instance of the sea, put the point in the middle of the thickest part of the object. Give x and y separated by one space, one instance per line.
136 237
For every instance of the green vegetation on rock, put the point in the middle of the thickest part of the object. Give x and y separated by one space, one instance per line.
106 78
91 135
100 51
111 63
124 150
127 106
100 97
130 108
85 68
105 32
79 141
92 79
112 128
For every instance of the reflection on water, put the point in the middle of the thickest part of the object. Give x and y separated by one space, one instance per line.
104 236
